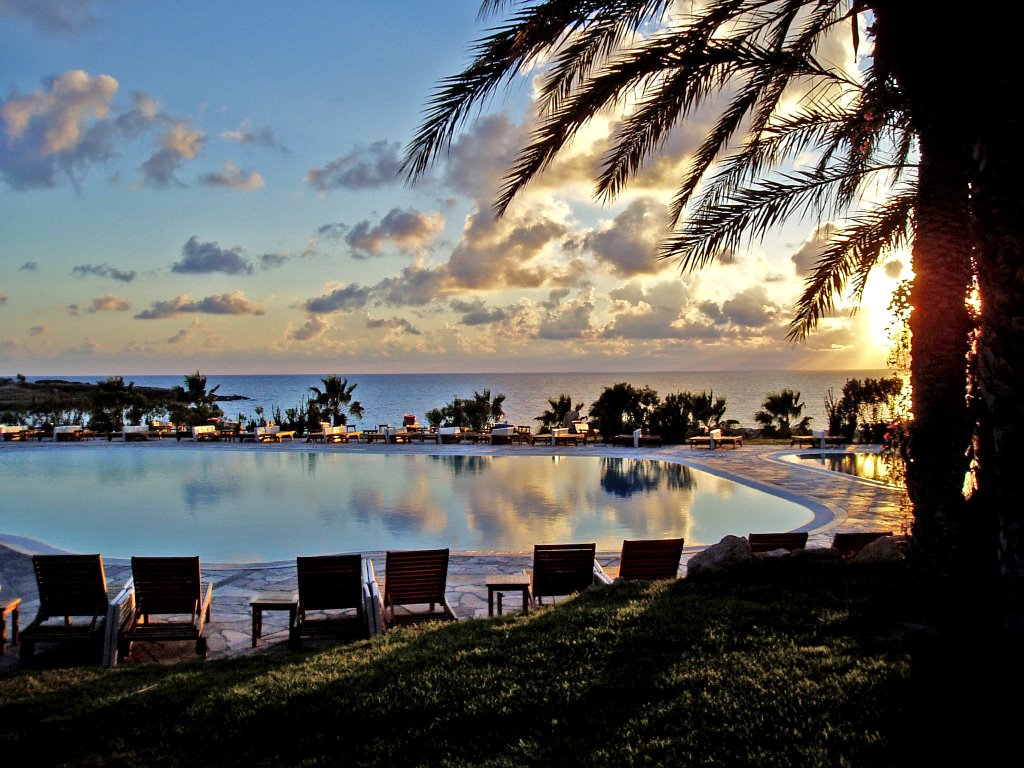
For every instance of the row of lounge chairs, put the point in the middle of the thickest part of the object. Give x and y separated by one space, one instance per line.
338 595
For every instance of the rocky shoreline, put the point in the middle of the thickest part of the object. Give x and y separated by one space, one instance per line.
17 395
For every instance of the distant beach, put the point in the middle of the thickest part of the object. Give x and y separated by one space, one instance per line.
386 397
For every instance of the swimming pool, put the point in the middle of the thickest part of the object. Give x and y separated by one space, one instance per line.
262 505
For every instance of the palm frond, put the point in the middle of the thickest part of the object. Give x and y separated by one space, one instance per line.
852 253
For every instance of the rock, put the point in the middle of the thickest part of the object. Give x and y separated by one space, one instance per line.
730 552
887 549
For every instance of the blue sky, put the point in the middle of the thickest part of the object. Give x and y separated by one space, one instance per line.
214 186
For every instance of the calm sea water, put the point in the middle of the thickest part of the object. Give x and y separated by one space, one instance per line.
385 397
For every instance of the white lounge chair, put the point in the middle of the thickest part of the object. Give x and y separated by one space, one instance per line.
204 432
67 432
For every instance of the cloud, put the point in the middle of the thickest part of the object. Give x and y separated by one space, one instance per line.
350 297
751 308
313 328
110 303
568 321
630 244
29 266
376 165
475 313
261 137
58 131
178 143
232 303
399 324
3 298
39 330
273 260
55 17
410 230
200 258
656 312
233 178
809 253
894 269
104 270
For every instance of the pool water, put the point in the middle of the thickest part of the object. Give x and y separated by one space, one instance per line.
870 466
265 505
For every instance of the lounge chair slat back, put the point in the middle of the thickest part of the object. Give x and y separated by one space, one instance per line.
415 577
562 569
769 542
852 543
330 581
166 585
70 585
650 559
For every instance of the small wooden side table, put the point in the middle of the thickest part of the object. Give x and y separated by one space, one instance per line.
272 601
9 608
506 582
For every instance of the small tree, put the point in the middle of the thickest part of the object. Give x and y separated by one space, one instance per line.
623 408
555 415
335 400
194 404
778 411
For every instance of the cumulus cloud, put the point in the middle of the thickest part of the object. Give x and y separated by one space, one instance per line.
55 17
751 308
629 245
570 320
376 165
894 268
657 312
231 303
313 328
110 303
178 143
3 298
199 258
58 132
273 260
350 297
260 137
39 330
399 324
29 266
476 313
410 231
809 253
104 270
233 178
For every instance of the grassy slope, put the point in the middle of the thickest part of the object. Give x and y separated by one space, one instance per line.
791 668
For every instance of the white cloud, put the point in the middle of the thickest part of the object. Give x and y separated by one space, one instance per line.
233 178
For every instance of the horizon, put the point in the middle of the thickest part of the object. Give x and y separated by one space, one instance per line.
171 203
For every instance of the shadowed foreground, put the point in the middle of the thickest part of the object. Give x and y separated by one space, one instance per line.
788 668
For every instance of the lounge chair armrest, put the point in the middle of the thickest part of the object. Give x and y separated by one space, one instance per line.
373 601
120 614
204 609
600 577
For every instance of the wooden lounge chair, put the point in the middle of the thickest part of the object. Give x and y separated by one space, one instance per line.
769 542
650 559
168 586
330 583
416 577
561 569
70 586
9 607
852 543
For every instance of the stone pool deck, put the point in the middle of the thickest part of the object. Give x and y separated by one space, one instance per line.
838 502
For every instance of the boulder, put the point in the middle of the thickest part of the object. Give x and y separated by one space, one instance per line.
887 549
730 552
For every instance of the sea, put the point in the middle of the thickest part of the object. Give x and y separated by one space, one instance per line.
387 397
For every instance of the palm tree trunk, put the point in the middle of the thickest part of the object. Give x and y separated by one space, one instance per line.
940 325
913 43
998 198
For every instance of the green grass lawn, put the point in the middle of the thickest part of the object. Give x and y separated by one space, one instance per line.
807 667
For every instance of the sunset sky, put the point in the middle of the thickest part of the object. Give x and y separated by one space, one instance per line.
214 185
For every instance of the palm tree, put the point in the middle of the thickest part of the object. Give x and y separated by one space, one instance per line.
949 167
779 410
555 415
335 400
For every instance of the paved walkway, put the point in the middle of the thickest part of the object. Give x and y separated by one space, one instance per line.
839 502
